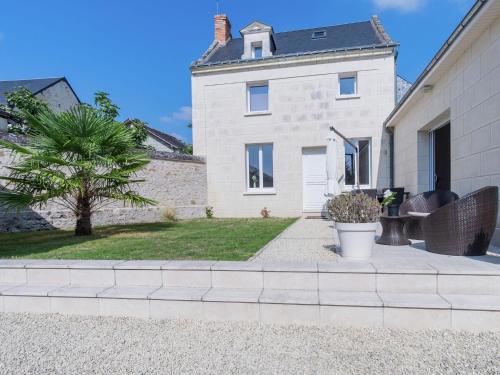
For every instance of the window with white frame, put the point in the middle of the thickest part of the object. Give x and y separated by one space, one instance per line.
259 165
258 97
362 161
348 84
256 50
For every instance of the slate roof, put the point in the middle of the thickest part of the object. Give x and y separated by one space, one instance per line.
166 139
358 35
34 85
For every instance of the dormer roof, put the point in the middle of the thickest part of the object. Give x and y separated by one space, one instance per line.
256 27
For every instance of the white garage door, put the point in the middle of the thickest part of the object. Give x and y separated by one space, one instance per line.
314 178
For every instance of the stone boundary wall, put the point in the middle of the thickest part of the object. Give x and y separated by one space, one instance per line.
174 180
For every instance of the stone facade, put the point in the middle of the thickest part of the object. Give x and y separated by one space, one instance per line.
174 181
303 103
465 92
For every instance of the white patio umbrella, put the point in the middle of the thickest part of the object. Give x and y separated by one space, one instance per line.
332 184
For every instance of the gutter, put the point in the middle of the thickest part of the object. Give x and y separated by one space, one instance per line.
473 12
246 61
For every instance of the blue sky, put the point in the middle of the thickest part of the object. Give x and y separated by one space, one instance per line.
140 51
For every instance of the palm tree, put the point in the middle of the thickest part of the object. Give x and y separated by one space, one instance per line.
81 159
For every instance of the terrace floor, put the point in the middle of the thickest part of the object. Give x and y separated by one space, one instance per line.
315 240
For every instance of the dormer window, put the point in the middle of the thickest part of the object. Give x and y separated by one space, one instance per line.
256 50
258 41
319 34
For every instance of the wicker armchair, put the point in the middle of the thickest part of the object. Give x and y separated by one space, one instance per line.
423 203
464 227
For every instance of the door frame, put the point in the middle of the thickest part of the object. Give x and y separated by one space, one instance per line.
303 175
432 155
356 140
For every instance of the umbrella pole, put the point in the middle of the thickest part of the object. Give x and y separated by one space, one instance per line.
357 167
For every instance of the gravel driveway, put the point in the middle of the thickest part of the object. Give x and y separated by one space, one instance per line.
53 344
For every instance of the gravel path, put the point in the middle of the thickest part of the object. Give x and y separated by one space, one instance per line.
309 240
53 344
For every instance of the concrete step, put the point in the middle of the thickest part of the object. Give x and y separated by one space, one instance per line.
453 276
278 306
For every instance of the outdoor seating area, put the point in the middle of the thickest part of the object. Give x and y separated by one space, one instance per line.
446 223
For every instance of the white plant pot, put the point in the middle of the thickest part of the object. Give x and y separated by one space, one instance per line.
356 239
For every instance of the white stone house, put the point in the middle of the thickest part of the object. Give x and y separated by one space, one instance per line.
263 104
447 127
56 92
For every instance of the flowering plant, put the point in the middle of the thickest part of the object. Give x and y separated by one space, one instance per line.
349 208
389 197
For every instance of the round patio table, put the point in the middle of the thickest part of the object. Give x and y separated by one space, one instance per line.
393 232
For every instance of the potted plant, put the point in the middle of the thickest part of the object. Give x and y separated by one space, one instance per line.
389 197
356 218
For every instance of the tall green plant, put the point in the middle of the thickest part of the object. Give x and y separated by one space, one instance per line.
81 159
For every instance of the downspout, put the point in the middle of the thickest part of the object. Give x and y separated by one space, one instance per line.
391 156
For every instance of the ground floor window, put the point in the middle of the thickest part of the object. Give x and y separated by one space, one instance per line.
364 163
260 174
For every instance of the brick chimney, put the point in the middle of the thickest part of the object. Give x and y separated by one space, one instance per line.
222 28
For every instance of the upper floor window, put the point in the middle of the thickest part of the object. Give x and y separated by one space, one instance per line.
258 97
257 50
348 84
260 174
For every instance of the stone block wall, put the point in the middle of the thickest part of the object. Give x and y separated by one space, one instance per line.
173 180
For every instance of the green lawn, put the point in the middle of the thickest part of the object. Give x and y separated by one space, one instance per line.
215 239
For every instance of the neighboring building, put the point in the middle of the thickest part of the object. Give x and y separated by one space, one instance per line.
263 105
402 87
162 141
56 92
447 128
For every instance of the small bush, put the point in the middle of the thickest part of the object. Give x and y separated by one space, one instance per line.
265 213
169 214
209 211
349 208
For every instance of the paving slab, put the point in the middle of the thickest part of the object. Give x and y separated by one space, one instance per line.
414 300
299 297
366 299
192 265
31 290
473 302
130 292
13 263
179 294
141 265
236 266
78 291
5 287
290 266
346 267
96 264
233 295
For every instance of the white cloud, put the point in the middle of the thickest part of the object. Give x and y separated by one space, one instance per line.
404 6
183 114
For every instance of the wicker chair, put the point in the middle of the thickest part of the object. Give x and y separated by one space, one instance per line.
424 203
464 227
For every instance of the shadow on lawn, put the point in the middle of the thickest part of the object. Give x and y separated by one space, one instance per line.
15 245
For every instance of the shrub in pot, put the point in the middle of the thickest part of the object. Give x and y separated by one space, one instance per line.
356 218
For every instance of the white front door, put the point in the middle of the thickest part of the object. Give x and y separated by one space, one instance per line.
314 178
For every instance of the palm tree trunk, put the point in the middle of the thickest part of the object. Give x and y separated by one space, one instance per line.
83 217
